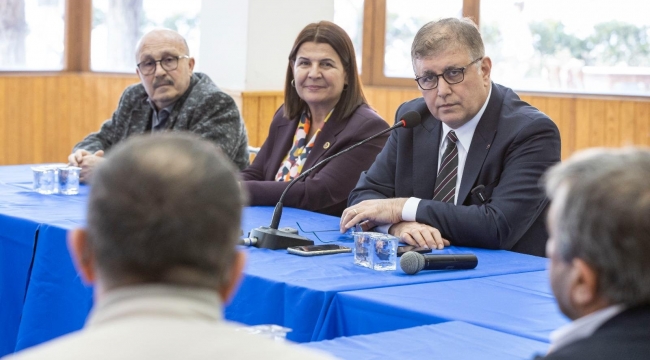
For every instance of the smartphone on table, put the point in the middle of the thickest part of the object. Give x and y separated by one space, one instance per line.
313 250
401 250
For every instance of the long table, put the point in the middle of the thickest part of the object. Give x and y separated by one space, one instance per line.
46 298
449 340
519 304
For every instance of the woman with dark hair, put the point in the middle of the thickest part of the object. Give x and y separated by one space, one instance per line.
324 112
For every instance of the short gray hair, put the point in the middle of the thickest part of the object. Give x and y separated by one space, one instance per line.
604 218
445 34
165 208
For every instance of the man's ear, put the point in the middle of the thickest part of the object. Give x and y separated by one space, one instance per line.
486 68
191 62
584 289
236 271
82 255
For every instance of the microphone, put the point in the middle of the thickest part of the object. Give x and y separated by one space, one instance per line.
269 237
413 262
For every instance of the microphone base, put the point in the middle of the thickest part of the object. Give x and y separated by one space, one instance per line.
274 239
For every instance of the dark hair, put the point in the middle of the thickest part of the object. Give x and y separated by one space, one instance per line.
325 32
602 218
449 33
165 208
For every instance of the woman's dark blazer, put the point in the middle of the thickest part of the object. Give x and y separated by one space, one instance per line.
326 189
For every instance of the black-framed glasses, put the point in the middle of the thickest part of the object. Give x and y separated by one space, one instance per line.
168 63
452 76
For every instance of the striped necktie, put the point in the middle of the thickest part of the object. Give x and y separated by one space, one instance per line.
445 189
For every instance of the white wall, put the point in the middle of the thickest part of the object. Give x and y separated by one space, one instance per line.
245 43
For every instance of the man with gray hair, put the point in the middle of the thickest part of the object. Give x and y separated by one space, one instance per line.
468 175
599 248
169 97
164 216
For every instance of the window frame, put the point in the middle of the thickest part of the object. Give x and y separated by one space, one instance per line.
374 42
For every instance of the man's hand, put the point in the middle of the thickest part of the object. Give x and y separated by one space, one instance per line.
75 158
414 233
381 211
88 163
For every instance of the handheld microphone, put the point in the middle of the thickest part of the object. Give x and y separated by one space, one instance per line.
269 237
413 262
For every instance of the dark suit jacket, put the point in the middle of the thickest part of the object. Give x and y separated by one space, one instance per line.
513 145
327 188
625 336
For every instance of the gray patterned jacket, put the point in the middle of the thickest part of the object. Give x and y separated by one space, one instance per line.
203 109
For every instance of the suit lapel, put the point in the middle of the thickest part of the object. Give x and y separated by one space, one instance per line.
426 145
283 142
324 144
481 143
139 115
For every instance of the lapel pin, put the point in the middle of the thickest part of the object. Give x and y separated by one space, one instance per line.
327 145
488 147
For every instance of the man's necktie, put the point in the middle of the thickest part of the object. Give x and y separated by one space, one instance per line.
445 190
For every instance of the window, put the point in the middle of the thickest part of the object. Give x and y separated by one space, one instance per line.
583 46
31 34
348 14
403 20
117 26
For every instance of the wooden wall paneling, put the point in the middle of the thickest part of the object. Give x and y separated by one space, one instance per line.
568 130
76 114
88 110
583 124
626 123
612 123
380 103
23 133
38 120
266 112
250 112
554 111
101 102
598 123
14 118
3 123
394 100
51 124
642 123
64 123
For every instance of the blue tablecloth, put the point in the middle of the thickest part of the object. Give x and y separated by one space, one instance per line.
449 340
297 292
518 304
277 287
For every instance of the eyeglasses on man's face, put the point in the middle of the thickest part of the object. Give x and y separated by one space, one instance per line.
452 76
168 63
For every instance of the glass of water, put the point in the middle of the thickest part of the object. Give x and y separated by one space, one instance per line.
362 249
44 179
384 252
68 180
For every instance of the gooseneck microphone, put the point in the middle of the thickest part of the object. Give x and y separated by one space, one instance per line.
413 262
272 238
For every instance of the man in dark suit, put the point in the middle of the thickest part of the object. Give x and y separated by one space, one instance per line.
468 175
599 247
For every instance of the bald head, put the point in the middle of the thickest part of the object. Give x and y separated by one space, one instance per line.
164 66
164 36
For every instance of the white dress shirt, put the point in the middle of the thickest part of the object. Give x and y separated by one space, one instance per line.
465 133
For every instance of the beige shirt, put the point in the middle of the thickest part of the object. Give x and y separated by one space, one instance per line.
163 322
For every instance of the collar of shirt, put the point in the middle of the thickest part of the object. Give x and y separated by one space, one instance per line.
158 116
582 327
465 133
156 300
